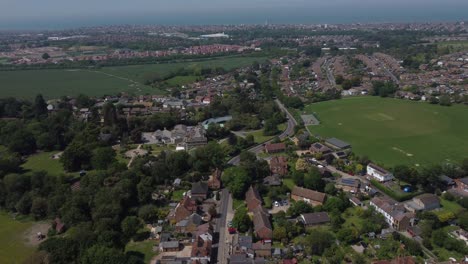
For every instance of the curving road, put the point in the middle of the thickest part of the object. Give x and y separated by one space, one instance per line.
289 131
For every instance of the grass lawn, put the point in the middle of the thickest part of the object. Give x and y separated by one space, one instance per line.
352 219
143 247
178 195
44 162
182 80
55 83
12 247
450 206
392 131
104 81
289 183
260 138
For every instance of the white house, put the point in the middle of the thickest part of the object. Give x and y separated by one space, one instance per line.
379 173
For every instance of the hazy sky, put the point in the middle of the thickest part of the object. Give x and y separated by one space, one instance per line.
21 11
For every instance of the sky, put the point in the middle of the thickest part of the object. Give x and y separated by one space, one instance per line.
63 13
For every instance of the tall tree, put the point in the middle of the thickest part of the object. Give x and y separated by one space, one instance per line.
40 107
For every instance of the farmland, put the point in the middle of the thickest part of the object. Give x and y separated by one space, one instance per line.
392 131
104 81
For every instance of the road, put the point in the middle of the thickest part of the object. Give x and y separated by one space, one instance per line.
330 77
225 207
289 131
223 248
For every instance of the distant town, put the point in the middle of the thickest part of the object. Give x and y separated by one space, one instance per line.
235 144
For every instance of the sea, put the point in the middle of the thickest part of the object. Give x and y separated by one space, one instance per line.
270 16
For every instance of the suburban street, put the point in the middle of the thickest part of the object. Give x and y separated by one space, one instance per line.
225 207
221 226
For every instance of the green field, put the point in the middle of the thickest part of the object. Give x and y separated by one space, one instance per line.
143 247
140 72
12 246
392 131
44 162
105 81
182 80
453 45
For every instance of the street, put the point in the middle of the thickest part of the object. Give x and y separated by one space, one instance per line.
289 131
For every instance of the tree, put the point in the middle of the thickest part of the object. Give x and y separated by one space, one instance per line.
149 213
76 156
302 165
61 250
241 220
463 220
237 180
347 84
280 233
102 158
347 235
109 114
40 107
318 241
313 180
39 208
270 128
339 79
445 100
45 56
23 142
98 254
130 226
23 206
299 207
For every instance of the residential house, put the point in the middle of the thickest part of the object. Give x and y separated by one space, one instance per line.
319 148
243 244
313 219
312 197
174 104
201 247
461 234
301 139
262 225
423 202
184 209
262 249
273 180
348 185
275 147
399 260
394 213
279 166
337 144
186 136
214 182
379 173
169 246
199 191
355 201
461 185
190 224
253 199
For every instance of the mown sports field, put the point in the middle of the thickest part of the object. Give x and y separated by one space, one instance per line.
392 131
105 81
